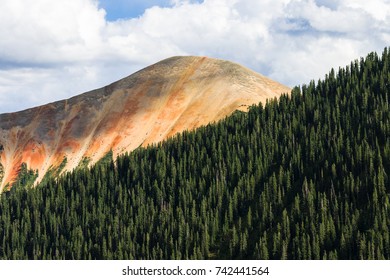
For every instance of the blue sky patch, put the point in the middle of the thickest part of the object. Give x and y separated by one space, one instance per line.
124 9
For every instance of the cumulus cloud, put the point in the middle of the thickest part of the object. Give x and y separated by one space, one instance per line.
55 49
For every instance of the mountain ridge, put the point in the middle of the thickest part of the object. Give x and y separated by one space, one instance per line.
154 103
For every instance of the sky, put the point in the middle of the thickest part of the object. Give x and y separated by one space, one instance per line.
54 49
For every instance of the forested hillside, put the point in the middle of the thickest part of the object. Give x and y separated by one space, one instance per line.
303 177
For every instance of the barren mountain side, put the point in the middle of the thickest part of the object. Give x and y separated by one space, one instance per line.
168 97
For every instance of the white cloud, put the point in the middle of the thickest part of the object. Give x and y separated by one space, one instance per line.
46 31
54 49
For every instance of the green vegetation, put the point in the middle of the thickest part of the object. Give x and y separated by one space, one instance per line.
304 177
26 178
53 172
1 172
1 166
106 159
84 163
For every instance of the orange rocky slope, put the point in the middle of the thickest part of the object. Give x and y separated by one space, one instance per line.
170 96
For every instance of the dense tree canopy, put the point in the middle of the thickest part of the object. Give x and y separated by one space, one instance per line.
302 177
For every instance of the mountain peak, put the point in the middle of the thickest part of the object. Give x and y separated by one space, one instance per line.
176 94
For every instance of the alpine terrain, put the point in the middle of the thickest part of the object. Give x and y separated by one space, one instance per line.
176 94
302 176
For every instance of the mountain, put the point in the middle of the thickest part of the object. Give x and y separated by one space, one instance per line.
305 176
176 94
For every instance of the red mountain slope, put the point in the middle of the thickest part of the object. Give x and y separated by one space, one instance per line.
170 96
